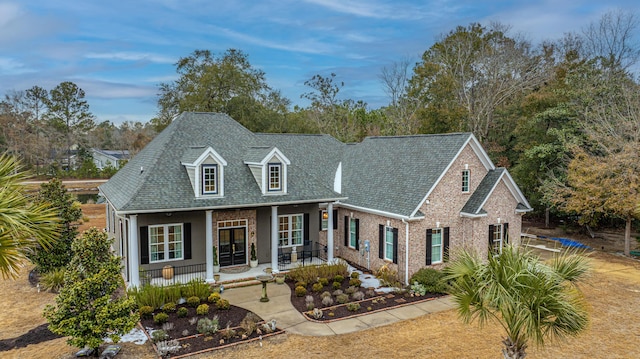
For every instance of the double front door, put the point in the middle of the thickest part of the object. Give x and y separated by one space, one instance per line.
233 246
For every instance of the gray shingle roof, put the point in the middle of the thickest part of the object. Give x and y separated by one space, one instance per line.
479 197
389 174
393 174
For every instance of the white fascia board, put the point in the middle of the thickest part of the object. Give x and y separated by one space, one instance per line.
275 152
213 208
471 215
378 212
477 148
517 193
208 152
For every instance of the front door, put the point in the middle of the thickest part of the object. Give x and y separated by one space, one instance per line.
233 246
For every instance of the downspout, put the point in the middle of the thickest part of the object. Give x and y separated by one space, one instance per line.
406 252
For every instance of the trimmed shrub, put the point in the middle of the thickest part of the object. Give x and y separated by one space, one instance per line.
431 279
223 304
169 307
145 311
159 335
208 326
353 307
337 292
317 287
309 302
182 312
193 301
357 296
355 282
336 285
342 298
355 275
324 281
338 278
350 290
301 291
325 294
160 318
214 297
301 284
327 301
203 309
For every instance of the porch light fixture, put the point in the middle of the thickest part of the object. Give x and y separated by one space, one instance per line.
168 214
437 224
325 215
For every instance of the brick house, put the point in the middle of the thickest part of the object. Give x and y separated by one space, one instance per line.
405 201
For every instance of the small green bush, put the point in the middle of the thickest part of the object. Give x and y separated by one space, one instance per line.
160 318
327 301
169 307
355 275
159 335
317 287
208 326
301 291
301 284
353 307
214 297
325 294
182 312
336 285
223 304
203 309
355 282
193 301
350 290
145 311
431 279
324 281
338 278
342 298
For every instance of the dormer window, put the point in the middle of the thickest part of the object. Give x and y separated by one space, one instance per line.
209 179
275 177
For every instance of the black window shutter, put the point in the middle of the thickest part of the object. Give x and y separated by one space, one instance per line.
505 230
335 219
357 233
445 244
320 219
491 230
187 241
395 245
305 229
429 243
381 241
144 245
346 231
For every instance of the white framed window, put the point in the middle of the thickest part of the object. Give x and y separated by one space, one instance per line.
465 180
497 242
324 220
436 245
275 177
290 230
388 243
209 179
353 237
165 242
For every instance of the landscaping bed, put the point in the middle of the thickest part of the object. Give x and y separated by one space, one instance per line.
235 325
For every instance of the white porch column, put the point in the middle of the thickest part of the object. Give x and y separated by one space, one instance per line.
274 238
330 232
209 244
134 260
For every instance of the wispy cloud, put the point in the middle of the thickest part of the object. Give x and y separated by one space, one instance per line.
131 56
371 9
10 66
309 45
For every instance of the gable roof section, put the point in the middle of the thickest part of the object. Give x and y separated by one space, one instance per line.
114 154
473 207
156 180
393 174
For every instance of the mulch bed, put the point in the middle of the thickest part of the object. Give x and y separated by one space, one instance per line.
191 342
370 303
36 335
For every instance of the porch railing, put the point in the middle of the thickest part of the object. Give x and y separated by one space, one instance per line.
311 255
177 274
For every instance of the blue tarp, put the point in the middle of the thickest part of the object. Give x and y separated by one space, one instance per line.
570 243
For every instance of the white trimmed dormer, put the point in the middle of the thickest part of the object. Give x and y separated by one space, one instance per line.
269 168
205 168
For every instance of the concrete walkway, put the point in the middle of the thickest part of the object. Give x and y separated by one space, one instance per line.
288 318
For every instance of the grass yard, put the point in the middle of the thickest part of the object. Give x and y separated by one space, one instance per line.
613 292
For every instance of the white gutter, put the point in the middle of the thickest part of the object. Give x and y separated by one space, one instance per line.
378 212
406 253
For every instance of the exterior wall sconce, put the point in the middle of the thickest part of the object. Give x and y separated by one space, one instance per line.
325 215
498 220
437 224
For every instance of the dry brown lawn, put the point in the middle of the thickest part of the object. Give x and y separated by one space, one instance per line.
613 293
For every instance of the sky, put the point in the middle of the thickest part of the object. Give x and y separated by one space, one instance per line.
119 51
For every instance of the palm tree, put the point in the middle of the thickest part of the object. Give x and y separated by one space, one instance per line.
24 224
532 300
